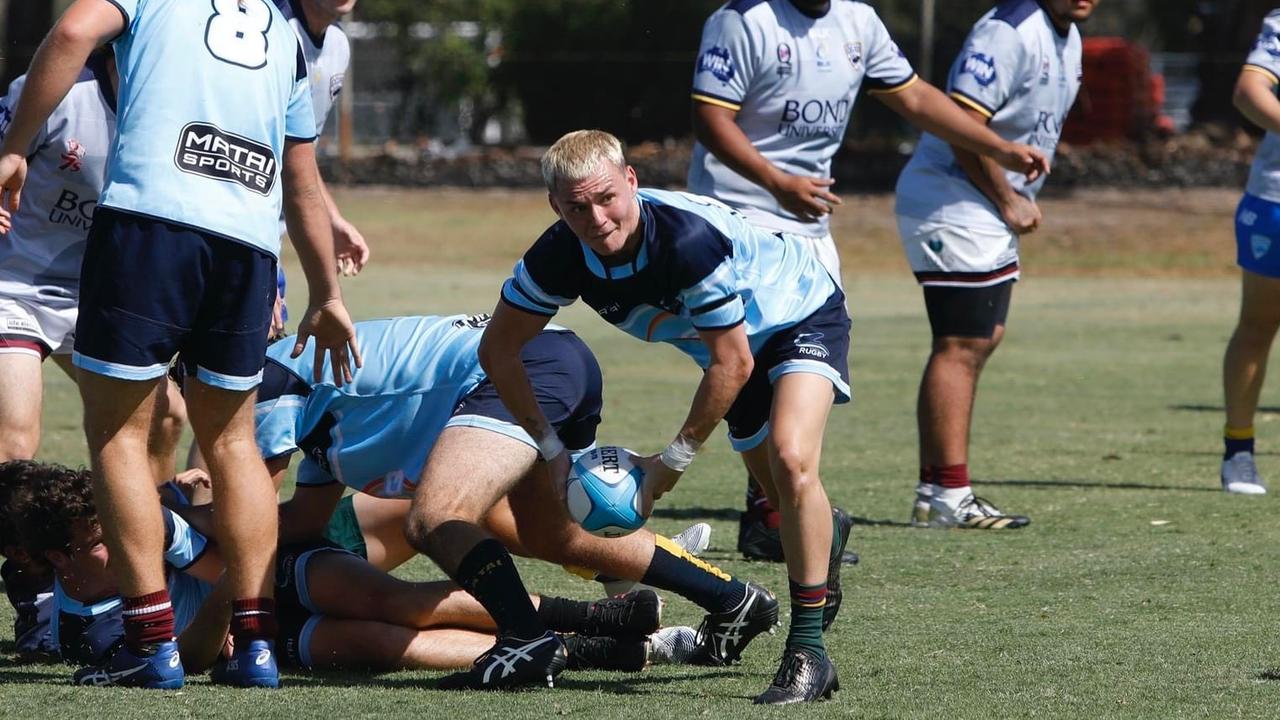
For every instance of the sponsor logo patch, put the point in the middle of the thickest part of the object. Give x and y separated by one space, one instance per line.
1259 244
811 344
982 67
208 151
335 85
853 51
784 59
73 156
717 62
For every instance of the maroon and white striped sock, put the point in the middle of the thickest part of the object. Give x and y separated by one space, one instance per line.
253 619
148 619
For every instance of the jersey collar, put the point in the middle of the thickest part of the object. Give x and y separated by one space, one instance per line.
638 263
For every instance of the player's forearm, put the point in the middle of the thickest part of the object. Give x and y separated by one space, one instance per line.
716 130
926 107
1255 98
307 220
987 175
330 206
720 386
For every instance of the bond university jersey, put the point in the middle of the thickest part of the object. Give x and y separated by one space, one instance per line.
327 57
1021 71
209 92
65 168
1264 58
700 266
792 79
374 434
83 630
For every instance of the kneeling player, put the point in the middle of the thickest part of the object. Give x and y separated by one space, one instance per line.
423 418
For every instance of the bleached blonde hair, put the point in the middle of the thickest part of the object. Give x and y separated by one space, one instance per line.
577 155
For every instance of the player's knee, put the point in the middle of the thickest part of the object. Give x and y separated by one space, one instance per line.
794 473
969 351
18 443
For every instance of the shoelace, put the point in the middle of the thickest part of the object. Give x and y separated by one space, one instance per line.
789 671
980 506
1249 471
612 611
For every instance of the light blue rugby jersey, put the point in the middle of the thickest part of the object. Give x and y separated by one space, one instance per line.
1264 175
209 92
372 435
700 266
1021 71
183 546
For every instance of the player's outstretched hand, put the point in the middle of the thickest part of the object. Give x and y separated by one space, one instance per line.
1022 215
809 198
1024 159
349 247
658 481
331 327
13 174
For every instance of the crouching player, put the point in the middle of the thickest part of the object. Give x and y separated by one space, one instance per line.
423 422
337 611
759 314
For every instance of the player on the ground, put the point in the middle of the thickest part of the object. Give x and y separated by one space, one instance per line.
773 91
759 314
960 216
1244 365
423 421
215 124
387 624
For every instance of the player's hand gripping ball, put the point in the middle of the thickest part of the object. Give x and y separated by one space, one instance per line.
603 492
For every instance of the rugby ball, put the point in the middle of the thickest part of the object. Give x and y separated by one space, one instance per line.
603 492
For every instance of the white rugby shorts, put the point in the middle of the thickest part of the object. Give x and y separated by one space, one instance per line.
944 254
37 320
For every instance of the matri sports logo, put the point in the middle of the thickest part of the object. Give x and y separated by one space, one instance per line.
981 66
207 150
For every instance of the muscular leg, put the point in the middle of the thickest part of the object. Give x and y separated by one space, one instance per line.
381 646
21 400
1244 366
117 422
166 431
381 523
945 404
243 494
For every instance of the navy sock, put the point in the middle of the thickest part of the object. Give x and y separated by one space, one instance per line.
490 575
1233 446
697 580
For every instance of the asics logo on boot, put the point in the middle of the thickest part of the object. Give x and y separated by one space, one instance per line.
732 632
511 655
175 660
106 677
263 658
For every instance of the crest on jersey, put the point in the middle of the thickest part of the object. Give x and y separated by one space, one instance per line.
1259 244
853 51
820 55
73 156
981 66
1045 69
784 59
716 61
335 84
1270 42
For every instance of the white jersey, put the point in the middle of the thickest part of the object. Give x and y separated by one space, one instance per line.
1022 72
1264 176
327 58
792 79
66 165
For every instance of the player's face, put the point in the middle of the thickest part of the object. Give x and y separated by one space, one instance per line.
83 567
601 209
1072 11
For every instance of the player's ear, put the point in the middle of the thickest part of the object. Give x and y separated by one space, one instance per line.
56 559
551 200
632 181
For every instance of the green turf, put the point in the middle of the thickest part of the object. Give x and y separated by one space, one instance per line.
1139 590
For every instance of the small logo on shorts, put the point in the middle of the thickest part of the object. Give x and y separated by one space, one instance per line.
1248 218
935 244
1260 244
810 344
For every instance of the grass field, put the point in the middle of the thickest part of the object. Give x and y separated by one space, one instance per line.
1139 590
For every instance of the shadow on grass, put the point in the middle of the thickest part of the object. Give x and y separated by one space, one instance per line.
622 685
1270 674
13 676
1097 485
696 513
1193 407
872 522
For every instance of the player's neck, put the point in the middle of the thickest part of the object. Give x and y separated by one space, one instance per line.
1061 22
316 18
812 8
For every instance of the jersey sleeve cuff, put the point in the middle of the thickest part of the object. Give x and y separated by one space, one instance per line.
887 89
971 103
298 139
524 308
1275 79
717 101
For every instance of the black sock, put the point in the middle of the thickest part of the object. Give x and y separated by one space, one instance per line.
563 615
674 569
490 575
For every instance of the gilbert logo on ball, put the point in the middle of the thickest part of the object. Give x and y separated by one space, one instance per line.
603 492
